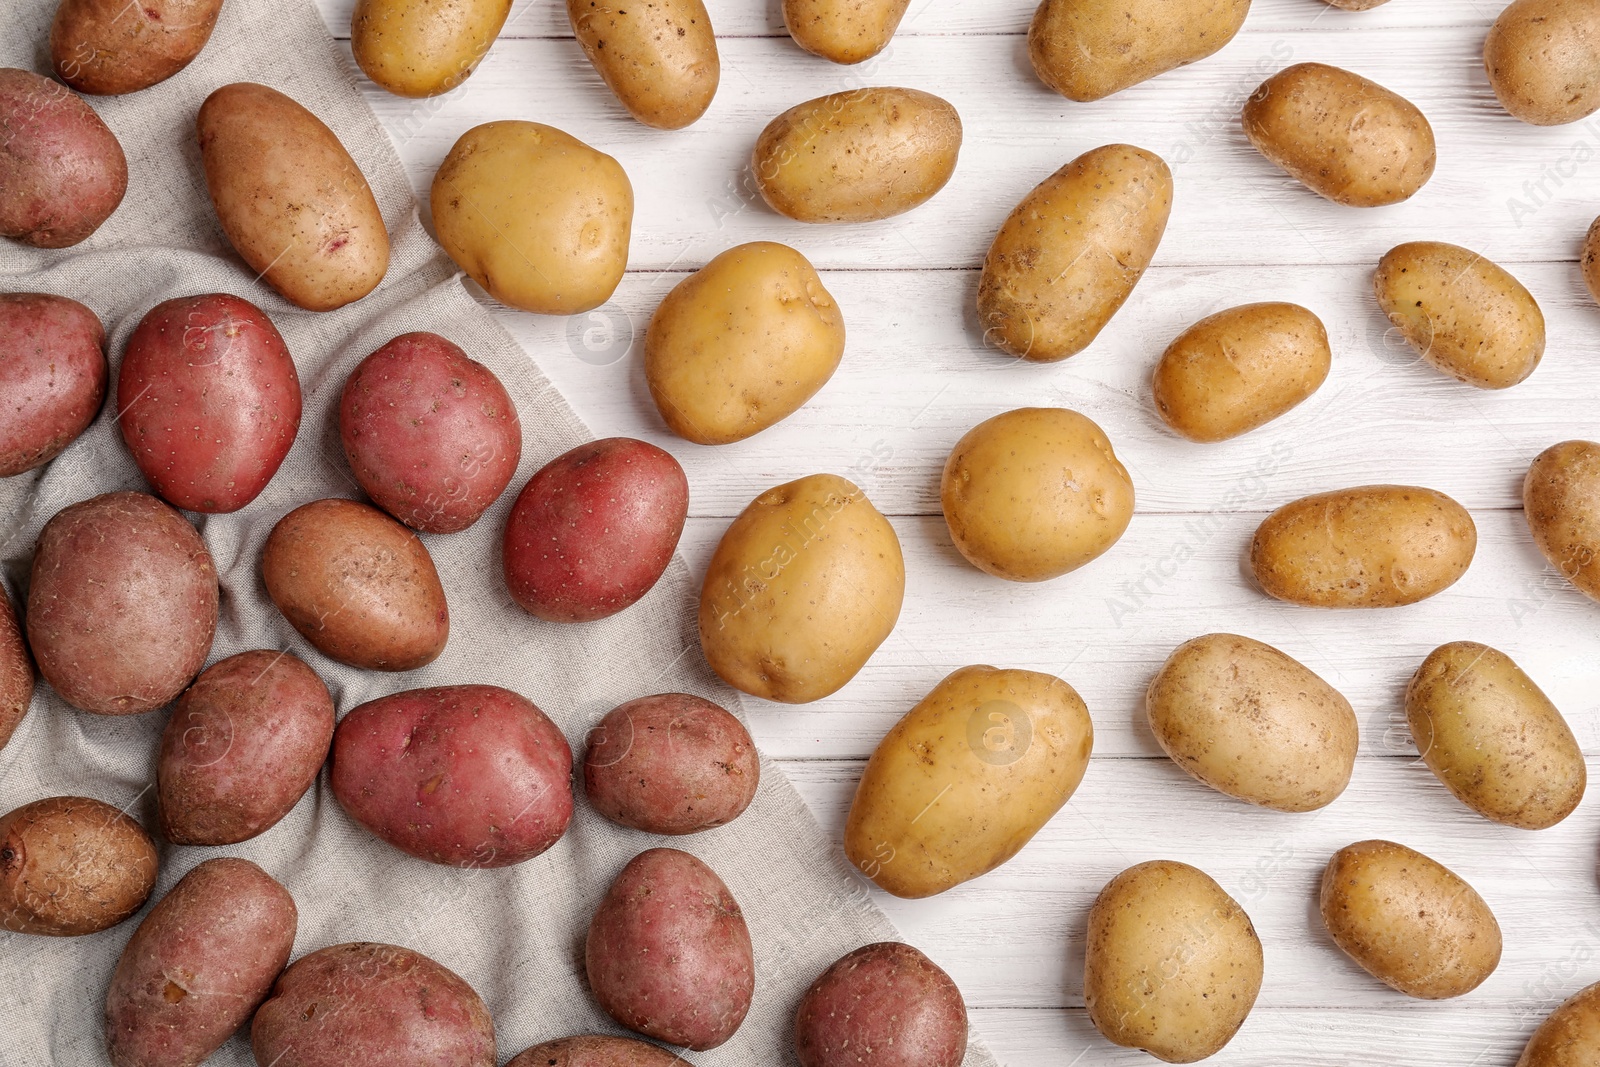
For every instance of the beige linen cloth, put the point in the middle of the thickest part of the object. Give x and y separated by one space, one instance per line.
515 934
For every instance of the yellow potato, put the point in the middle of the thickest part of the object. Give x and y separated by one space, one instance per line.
845 31
424 47
1172 964
1374 546
1034 493
1089 49
1569 1036
1493 737
1561 501
1408 920
1069 255
1239 369
660 57
804 586
1543 60
742 343
857 156
966 779
1253 723
535 216
1345 137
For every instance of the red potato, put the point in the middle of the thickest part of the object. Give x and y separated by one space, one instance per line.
198 965
883 1005
594 529
52 377
596 1050
431 435
71 866
122 604
16 671
62 170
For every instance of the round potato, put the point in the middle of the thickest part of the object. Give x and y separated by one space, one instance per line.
883 1005
113 46
62 170
858 155
1543 60
1343 136
52 377
1172 963
804 586
1087 51
659 58
16 671
1034 493
1561 502
558 253
844 31
1375 546
70 866
596 1050
1569 1036
1409 921
423 48
741 344
1069 255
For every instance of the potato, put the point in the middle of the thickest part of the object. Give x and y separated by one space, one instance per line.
966 778
198 965
1590 259
659 58
856 156
16 671
557 253
71 865
243 745
1561 502
804 586
883 1005
668 953
1241 368
122 603
741 344
431 435
596 1050
1409 921
364 1003
594 529
1034 493
289 197
1374 546
62 171
670 764
112 46
1343 136
843 32
1251 722
1172 963
1069 255
1543 60
1569 1036
52 377
421 47
1089 49
208 400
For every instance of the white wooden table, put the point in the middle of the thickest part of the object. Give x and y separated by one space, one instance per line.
916 376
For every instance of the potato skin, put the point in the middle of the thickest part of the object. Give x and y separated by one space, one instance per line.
1000 750
596 1050
293 203
105 47
803 587
1408 920
52 377
659 58
668 952
883 1005
843 31
1561 502
422 48
1569 1036
742 344
198 965
859 155
62 170
70 866
1068 256
16 671
1343 136
1089 49
1172 965
1374 546
122 603
243 745
1543 60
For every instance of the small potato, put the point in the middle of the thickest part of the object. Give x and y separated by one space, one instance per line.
844 31
1543 60
70 866
557 253
1409 921
16 671
856 156
62 170
741 344
113 46
595 1050
1172 964
1375 546
52 377
1241 368
431 435
293 203
1343 136
1035 493
122 603
668 952
660 58
423 48
1089 49
243 745
1569 1036
1253 723
1561 501
198 965
1068 256
1590 260
883 1005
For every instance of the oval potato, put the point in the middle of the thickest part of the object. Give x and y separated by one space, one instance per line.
420 47
596 1050
660 58
62 171
1543 60
1089 49
113 46
16 671
71 866
1561 502
883 1005
1569 1036
53 377
843 31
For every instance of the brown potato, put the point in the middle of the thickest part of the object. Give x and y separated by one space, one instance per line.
660 58
62 171
52 377
1089 49
70 866
844 31
596 1050
1561 501
113 46
16 671
883 1005
1590 260
1569 1036
422 47
1543 60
